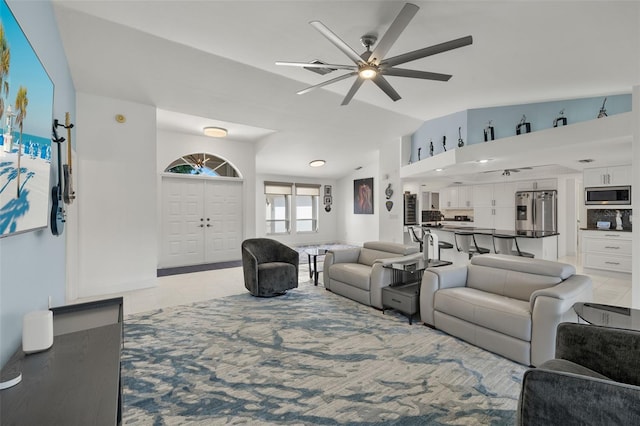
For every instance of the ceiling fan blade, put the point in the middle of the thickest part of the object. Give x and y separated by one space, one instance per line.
386 87
337 41
397 27
333 80
428 51
312 65
354 88
401 72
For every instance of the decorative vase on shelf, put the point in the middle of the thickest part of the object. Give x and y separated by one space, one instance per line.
618 221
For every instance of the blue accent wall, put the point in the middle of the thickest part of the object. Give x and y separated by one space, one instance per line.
434 130
505 119
32 264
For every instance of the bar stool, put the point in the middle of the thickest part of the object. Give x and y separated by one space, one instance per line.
504 244
443 245
415 237
466 243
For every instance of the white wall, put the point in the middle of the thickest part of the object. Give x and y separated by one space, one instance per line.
391 222
568 215
116 196
327 221
358 228
240 155
32 265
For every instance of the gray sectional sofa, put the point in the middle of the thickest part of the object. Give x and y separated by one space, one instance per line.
359 273
506 304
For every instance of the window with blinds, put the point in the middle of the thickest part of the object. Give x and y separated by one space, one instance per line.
278 207
279 198
307 205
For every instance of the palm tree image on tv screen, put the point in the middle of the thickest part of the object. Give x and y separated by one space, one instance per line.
26 115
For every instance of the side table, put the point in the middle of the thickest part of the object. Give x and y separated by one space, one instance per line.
314 269
608 316
403 298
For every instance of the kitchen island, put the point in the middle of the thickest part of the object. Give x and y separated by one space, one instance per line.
542 244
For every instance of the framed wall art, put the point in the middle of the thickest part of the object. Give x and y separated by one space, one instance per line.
26 117
363 196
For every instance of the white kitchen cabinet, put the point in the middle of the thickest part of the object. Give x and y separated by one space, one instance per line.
465 197
483 195
456 197
447 197
607 250
531 185
494 206
607 176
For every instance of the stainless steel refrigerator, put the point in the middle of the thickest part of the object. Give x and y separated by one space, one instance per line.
537 211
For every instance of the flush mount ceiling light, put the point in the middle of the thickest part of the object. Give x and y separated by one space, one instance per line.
483 161
215 132
439 170
317 163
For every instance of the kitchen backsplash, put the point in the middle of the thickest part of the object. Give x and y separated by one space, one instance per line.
609 215
452 213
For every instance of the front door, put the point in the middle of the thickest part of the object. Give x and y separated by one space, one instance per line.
201 221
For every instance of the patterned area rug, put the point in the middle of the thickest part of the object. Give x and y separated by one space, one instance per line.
308 357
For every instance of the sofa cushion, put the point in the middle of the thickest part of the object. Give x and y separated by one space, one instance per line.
502 314
522 264
354 274
369 256
505 282
398 249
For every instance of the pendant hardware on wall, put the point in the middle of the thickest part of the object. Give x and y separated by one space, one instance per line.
460 141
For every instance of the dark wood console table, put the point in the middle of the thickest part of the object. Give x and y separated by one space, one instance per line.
77 380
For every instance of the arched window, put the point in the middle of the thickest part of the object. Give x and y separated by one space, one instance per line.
202 164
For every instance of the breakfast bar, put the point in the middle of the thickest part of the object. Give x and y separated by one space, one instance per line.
542 244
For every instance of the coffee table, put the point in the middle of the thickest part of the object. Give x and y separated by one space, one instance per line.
314 269
608 316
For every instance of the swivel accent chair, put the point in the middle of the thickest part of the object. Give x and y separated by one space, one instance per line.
270 267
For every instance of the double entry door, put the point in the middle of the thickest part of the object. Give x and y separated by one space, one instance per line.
201 221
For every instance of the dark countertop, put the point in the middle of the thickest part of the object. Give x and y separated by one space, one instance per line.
607 230
491 231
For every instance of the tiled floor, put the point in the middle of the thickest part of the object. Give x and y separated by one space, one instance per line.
194 287
614 289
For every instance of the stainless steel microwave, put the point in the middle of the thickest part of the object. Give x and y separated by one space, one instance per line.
608 195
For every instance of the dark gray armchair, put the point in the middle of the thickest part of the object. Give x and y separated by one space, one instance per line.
593 380
270 267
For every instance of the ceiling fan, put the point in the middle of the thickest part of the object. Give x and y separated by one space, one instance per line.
507 172
373 65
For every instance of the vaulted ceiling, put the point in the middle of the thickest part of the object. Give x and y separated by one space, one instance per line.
213 62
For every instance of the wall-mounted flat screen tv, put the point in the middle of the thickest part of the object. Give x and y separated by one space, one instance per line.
26 115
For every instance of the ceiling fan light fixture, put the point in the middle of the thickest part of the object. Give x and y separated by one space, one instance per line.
215 132
367 72
317 163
